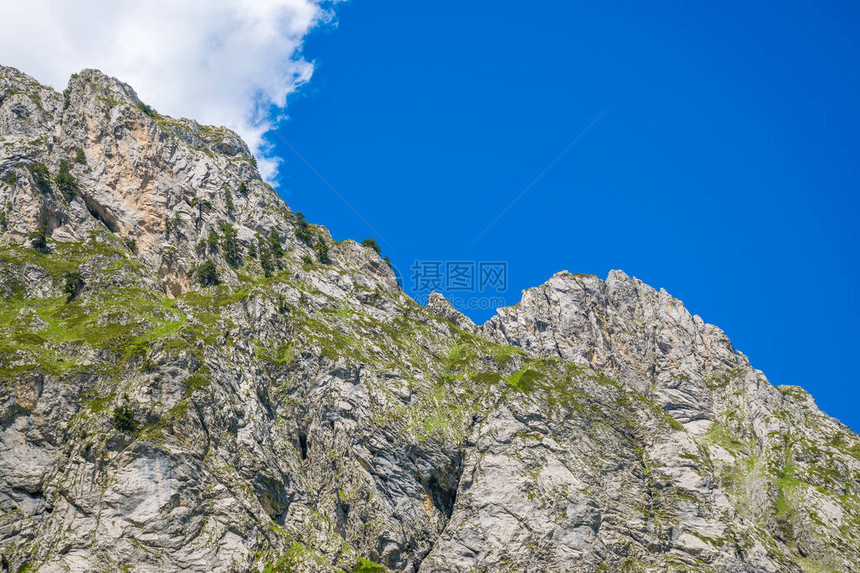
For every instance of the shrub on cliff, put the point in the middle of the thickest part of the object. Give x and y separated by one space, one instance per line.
322 253
66 182
266 261
303 229
372 244
123 418
207 274
230 245
39 238
41 176
73 282
275 246
213 241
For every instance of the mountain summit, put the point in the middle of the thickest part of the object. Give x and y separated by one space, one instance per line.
195 378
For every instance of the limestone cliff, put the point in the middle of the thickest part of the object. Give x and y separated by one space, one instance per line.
194 378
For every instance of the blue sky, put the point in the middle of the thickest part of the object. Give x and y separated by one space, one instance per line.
724 169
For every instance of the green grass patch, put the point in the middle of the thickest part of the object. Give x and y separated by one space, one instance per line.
719 435
524 380
367 566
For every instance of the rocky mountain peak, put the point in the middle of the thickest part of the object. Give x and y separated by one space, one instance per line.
584 319
90 83
166 188
195 378
439 305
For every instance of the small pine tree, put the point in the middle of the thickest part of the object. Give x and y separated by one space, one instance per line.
266 261
322 252
213 241
207 274
41 176
66 182
80 157
228 198
303 229
252 250
39 238
243 189
230 245
388 261
371 244
254 161
275 243
172 223
123 418
147 109
73 282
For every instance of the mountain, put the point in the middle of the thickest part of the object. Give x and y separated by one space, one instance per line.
195 378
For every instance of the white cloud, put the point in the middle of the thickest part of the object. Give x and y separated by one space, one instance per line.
221 62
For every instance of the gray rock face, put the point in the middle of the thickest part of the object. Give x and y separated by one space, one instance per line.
304 414
793 453
439 305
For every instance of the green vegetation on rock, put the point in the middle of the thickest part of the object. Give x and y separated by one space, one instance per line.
41 176
230 245
322 252
303 229
66 182
73 282
371 244
123 418
207 274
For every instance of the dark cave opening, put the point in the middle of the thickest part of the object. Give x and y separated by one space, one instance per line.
100 214
303 445
444 495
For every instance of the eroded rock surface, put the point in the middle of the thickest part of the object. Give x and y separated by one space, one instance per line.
301 413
